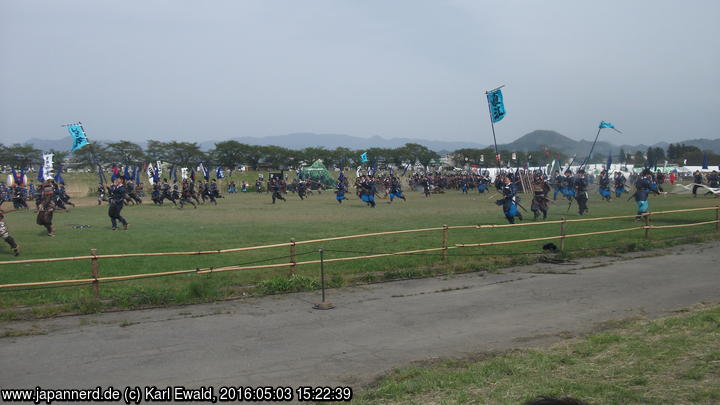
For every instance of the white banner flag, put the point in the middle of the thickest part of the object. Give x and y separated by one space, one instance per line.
184 172
47 166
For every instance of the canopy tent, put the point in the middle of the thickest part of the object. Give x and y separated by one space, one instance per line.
317 172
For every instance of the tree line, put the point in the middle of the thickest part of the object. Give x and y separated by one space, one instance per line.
232 154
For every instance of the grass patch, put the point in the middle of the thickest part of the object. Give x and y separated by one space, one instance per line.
673 360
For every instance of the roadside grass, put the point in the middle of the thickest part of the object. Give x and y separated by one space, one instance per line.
249 219
674 360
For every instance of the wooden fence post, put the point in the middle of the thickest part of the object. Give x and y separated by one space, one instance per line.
562 234
647 225
95 273
293 259
445 242
717 219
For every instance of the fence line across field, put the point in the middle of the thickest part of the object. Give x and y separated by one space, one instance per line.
96 279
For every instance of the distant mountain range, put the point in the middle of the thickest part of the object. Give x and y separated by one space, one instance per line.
541 139
535 140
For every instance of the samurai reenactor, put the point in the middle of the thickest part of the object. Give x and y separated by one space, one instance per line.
214 191
131 193
63 195
643 188
713 179
367 191
340 190
619 181
175 192
697 181
660 180
193 192
483 184
580 192
301 188
186 197
18 198
540 201
206 194
156 195
5 234
604 185
510 200
396 189
258 186
165 192
426 186
567 185
116 198
276 189
47 207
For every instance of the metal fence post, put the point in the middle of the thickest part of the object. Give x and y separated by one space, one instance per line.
323 304
95 272
562 234
293 259
445 242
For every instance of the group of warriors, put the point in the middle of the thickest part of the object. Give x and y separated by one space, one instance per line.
51 196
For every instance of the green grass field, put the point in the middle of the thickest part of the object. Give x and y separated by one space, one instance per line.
249 219
674 360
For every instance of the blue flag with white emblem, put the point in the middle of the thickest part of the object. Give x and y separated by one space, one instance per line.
79 138
496 104
219 174
363 157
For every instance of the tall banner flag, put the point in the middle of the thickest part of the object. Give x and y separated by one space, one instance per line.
58 176
496 105
47 166
158 168
78 134
137 175
184 172
149 171
41 176
602 125
219 174
609 162
364 157
514 156
705 161
482 158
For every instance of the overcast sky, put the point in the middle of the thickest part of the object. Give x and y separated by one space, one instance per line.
212 70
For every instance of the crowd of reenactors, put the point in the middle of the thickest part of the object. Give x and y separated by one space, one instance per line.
545 189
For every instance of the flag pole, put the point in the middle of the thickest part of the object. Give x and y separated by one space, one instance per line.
492 125
591 148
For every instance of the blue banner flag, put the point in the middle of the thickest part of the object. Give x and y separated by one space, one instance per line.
219 174
41 176
604 124
58 176
705 161
137 175
496 104
364 158
609 162
79 138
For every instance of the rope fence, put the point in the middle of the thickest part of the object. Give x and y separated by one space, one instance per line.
292 262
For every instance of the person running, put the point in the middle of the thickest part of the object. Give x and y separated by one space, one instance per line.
117 200
5 234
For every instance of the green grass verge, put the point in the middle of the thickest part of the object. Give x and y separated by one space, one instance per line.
249 219
674 360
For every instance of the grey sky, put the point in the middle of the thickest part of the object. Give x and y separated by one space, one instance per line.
211 70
